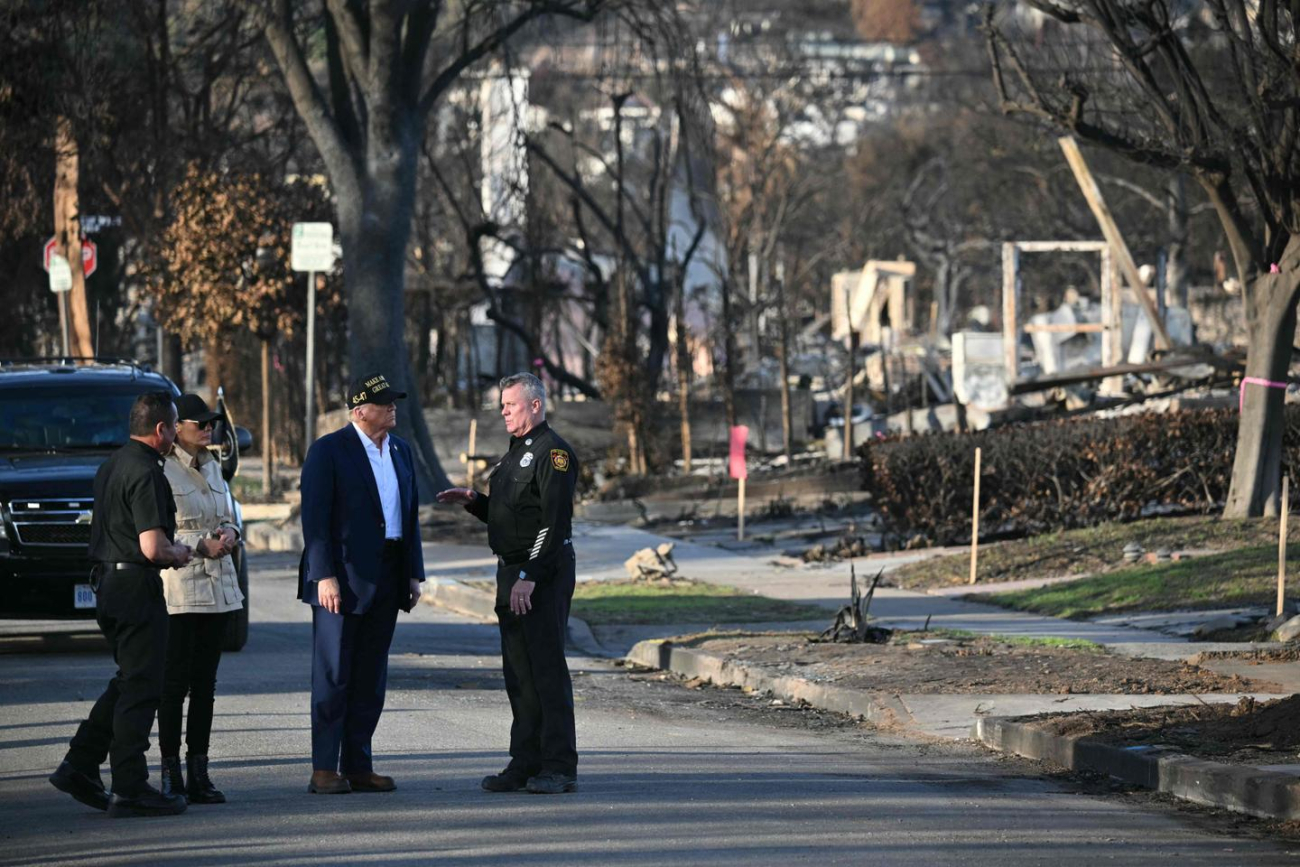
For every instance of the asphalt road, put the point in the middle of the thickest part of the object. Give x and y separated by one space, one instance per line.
669 775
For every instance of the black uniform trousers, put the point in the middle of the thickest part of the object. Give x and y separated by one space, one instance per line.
193 654
132 614
349 674
542 736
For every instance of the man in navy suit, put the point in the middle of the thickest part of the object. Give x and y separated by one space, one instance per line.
361 562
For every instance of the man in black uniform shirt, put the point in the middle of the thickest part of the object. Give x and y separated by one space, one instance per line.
131 537
529 514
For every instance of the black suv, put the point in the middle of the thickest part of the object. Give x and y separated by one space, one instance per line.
60 418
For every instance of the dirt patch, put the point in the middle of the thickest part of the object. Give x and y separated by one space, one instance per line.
1249 732
933 664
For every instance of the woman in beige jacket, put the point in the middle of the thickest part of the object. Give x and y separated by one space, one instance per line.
200 597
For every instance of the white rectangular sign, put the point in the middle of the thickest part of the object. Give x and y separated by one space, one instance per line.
313 247
60 274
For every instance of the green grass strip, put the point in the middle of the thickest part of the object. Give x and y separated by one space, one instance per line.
1232 579
611 602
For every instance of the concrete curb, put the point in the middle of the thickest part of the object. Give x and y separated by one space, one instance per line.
882 709
1241 788
463 599
1244 789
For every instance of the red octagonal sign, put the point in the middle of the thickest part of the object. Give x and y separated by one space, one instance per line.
89 255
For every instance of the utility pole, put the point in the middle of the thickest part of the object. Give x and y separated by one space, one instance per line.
73 309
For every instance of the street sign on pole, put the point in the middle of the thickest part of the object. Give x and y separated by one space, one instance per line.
310 422
60 273
61 283
312 248
89 255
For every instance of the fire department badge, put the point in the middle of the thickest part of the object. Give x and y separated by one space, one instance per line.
560 460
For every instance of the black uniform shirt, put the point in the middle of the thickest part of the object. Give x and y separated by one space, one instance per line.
131 496
529 509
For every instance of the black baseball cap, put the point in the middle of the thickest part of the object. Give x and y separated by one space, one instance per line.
191 407
373 388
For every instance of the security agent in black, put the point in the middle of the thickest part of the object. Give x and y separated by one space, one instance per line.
131 538
529 513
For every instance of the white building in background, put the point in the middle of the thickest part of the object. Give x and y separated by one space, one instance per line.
840 86
503 100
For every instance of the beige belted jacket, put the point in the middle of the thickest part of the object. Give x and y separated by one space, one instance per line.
203 586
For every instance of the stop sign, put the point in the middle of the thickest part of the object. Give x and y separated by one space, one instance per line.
89 255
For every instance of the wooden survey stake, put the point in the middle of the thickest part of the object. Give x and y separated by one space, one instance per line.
740 512
1281 546
975 521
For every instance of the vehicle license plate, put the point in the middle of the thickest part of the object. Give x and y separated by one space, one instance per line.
83 596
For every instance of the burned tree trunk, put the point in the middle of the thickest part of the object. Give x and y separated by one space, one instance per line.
1271 306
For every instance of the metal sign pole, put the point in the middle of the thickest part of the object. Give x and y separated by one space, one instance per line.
311 251
60 284
310 426
63 324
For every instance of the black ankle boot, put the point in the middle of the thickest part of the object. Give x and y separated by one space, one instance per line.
170 781
201 790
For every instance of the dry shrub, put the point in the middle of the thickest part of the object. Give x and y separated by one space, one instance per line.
1058 475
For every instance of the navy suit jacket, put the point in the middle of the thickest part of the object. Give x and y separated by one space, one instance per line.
343 520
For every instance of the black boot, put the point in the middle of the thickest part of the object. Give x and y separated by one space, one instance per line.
145 801
201 790
170 781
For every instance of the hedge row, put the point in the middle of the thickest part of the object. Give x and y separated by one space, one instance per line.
1058 475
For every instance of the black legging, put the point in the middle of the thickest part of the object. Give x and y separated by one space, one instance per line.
193 653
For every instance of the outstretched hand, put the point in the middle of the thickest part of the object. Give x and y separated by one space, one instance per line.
461 496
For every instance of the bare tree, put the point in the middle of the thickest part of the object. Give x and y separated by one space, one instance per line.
136 89
628 206
387 63
208 279
1215 93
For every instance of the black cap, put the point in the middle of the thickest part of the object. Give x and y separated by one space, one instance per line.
373 388
191 407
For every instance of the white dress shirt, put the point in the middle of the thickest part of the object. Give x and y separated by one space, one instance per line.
381 465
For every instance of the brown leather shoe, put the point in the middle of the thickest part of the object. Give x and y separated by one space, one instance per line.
371 782
328 783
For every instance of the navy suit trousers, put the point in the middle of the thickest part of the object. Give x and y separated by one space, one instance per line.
349 676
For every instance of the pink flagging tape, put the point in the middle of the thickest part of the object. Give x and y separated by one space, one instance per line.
1254 380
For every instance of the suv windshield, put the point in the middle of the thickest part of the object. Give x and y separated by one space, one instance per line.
73 418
